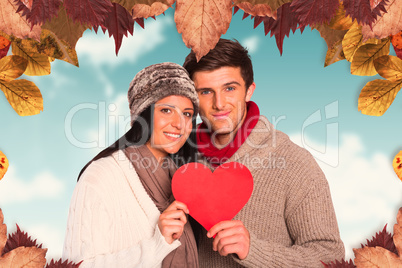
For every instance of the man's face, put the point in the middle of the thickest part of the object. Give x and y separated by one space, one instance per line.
223 96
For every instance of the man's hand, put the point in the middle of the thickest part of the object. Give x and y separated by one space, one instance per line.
231 237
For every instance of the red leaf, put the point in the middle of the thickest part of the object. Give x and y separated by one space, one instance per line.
65 264
91 12
140 21
310 12
18 239
382 239
4 46
361 10
235 9
286 21
337 264
41 11
118 23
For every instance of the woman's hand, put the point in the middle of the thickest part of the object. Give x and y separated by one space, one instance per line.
172 220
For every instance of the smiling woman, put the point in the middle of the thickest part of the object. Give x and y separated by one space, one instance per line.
122 212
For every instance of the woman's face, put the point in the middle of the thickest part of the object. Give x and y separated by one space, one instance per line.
171 126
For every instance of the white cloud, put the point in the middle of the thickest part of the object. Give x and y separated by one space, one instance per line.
15 190
366 192
100 49
251 43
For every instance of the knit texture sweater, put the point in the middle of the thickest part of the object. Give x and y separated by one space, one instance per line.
290 216
112 220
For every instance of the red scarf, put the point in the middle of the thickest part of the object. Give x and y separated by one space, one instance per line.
219 156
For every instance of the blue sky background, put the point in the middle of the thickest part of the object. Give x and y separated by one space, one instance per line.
86 109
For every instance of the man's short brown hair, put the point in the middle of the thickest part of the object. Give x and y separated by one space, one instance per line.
227 53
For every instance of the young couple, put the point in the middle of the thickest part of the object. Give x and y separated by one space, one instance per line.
123 214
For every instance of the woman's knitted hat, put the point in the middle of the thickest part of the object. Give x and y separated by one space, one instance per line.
156 82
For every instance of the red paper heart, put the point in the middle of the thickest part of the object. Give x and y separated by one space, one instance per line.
213 197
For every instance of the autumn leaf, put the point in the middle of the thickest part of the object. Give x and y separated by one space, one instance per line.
382 239
389 23
60 264
257 10
12 67
19 239
65 28
3 228
361 11
91 12
397 164
352 40
24 257
363 59
339 264
13 23
389 67
312 12
376 96
202 22
333 38
274 4
396 41
40 12
118 23
23 96
4 46
38 64
340 21
381 257
129 4
286 21
146 11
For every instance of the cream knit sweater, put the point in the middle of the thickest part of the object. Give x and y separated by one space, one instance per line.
112 221
290 215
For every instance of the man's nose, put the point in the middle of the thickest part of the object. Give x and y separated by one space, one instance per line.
219 102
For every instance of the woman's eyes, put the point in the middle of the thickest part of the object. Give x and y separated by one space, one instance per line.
166 110
188 114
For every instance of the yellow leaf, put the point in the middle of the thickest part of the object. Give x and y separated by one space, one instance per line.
363 60
397 164
146 11
49 45
352 40
3 165
274 4
340 21
334 54
24 257
38 64
258 10
12 67
376 96
202 22
3 232
389 67
13 23
129 4
24 96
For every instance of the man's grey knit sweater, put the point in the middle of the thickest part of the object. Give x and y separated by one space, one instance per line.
290 215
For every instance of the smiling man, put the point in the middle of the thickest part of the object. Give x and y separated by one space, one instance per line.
289 220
